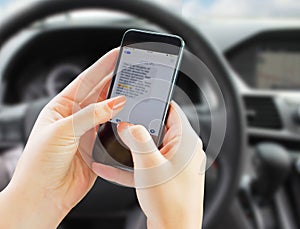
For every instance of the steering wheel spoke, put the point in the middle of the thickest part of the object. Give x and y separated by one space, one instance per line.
11 123
17 121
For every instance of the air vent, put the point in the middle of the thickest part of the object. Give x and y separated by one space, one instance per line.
262 112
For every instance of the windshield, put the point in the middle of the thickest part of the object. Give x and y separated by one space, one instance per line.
243 8
225 9
3 3
247 9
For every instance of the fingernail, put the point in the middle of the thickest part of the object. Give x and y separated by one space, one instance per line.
139 133
117 102
123 125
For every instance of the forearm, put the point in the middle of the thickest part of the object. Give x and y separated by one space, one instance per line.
193 220
20 210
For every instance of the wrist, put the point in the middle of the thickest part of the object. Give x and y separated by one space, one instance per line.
21 209
179 223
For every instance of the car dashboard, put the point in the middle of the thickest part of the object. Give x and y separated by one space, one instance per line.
264 59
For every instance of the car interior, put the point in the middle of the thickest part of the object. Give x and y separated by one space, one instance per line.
241 78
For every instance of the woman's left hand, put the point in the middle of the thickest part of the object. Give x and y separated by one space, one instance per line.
51 176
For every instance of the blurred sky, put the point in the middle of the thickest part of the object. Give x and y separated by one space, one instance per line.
224 8
243 8
3 2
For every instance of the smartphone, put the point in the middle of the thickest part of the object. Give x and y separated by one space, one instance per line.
145 72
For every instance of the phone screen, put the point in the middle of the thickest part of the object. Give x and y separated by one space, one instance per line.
145 73
145 78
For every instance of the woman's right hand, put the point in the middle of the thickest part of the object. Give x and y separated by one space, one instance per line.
169 182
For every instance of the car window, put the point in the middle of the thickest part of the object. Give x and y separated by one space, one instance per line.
2 2
271 9
225 9
244 8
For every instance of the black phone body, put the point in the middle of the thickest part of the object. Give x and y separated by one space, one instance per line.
145 72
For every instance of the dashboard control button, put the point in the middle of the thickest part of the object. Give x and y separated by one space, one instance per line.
297 165
297 115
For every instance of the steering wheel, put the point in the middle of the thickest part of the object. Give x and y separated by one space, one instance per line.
21 118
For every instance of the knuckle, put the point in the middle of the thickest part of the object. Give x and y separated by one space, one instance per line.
90 109
63 126
200 143
101 112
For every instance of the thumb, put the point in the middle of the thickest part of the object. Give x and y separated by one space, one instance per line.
144 151
93 115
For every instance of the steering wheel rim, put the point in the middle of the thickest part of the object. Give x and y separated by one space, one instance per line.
198 45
